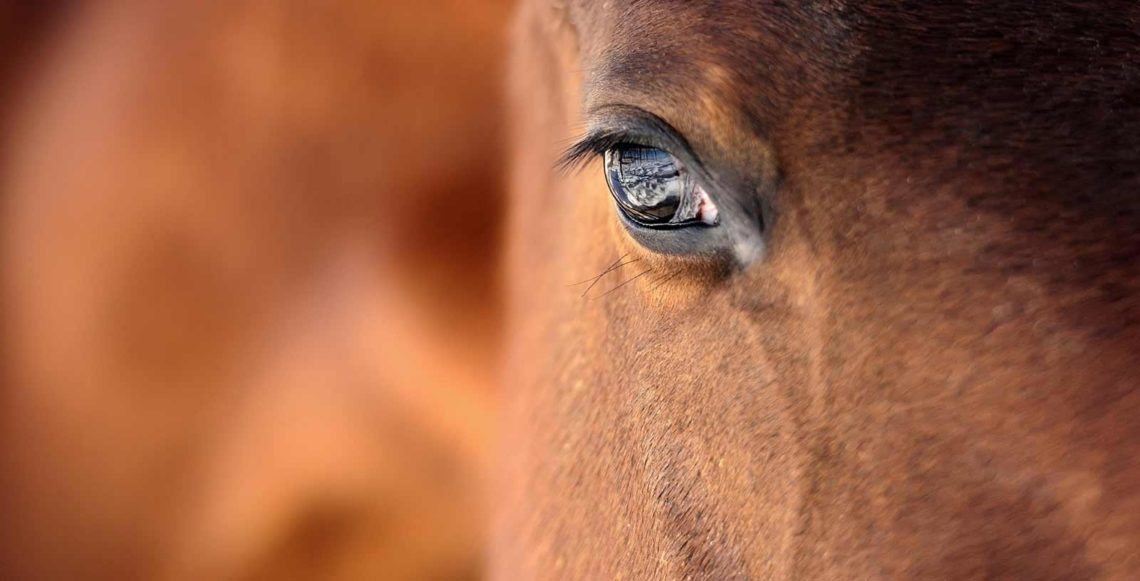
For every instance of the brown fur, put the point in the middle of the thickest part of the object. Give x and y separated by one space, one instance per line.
932 371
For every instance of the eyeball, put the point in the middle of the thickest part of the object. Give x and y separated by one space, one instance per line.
653 189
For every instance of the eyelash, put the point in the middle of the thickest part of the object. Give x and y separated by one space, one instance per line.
579 154
625 125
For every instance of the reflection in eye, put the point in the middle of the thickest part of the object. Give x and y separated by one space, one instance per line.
653 189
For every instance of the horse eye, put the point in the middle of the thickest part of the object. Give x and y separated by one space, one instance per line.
653 189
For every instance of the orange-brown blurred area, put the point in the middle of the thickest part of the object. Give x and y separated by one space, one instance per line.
248 299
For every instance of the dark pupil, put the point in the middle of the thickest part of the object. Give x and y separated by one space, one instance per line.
645 181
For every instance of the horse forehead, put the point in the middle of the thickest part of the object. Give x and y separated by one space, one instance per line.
692 31
917 48
1029 82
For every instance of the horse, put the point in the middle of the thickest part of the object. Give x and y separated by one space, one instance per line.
822 290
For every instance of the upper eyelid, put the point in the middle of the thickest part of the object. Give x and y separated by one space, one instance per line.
617 124
594 143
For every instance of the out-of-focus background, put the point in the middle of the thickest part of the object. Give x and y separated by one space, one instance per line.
248 306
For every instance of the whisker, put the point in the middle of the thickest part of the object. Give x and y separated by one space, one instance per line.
612 266
618 287
657 282
609 270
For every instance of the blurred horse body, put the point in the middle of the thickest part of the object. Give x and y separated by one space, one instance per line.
248 287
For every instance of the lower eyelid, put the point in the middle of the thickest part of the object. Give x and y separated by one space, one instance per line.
674 239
